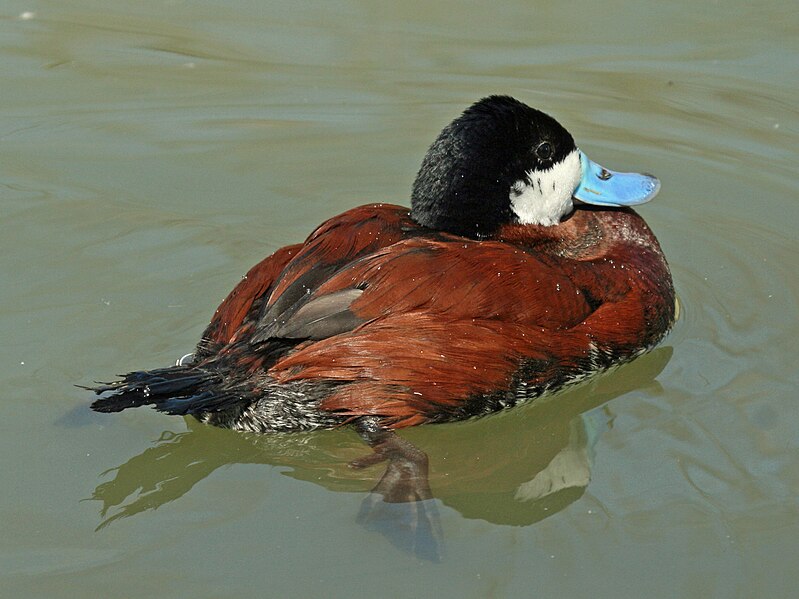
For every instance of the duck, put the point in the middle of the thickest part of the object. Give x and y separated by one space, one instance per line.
519 269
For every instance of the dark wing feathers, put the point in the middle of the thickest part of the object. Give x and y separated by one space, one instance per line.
323 317
276 315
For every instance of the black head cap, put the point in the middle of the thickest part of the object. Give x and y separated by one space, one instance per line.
465 180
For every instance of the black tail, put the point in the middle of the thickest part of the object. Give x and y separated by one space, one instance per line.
174 390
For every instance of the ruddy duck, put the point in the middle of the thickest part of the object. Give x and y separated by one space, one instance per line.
518 269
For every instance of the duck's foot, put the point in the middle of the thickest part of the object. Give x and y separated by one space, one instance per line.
401 506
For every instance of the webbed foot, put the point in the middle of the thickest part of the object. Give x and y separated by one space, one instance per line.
401 506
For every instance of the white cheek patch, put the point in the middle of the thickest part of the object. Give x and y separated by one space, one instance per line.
546 196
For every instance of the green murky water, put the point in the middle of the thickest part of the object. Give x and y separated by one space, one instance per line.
151 152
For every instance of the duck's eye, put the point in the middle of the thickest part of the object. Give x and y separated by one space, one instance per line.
544 150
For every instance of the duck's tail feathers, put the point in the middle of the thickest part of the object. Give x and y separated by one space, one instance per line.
176 390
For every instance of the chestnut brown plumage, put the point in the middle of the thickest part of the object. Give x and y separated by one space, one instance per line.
466 304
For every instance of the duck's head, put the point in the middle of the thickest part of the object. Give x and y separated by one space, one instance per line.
503 162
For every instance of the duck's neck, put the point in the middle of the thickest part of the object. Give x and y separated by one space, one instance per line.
586 234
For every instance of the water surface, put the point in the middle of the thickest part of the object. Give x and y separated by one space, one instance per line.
151 152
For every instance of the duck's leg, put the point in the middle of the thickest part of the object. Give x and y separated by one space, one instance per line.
405 478
401 505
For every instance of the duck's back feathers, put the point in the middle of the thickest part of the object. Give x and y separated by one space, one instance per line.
277 287
412 325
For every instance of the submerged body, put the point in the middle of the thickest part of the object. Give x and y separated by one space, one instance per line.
472 301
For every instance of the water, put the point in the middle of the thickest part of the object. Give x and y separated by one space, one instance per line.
151 152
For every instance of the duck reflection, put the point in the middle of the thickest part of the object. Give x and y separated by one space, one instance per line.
513 468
